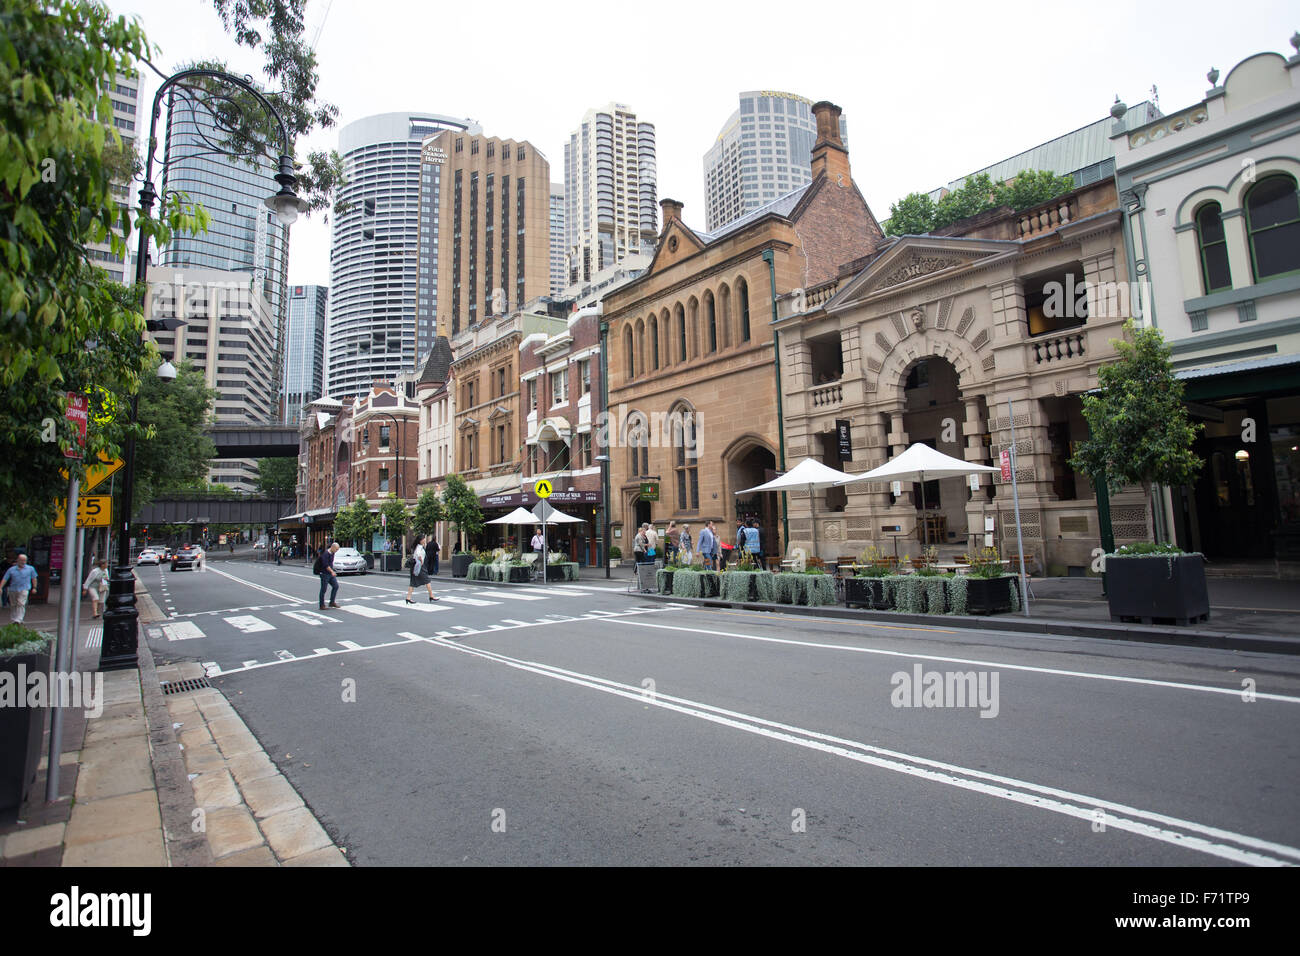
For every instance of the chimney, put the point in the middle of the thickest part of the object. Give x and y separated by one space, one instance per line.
672 210
828 154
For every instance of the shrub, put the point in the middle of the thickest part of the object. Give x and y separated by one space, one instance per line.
615 553
688 584
985 563
1145 547
18 639
957 585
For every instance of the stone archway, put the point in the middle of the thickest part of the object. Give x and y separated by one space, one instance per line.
750 461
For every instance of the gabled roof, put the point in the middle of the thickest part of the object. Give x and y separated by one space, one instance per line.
781 206
437 365
917 258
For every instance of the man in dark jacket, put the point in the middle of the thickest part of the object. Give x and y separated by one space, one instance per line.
325 568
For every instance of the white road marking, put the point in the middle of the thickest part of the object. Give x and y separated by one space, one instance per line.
445 634
249 624
284 597
1053 671
464 630
211 669
95 637
362 610
182 631
284 655
510 595
509 620
314 618
410 636
1079 806
350 645
250 663
321 650
473 602
418 606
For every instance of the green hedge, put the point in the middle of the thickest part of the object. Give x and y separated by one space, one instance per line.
811 590
738 585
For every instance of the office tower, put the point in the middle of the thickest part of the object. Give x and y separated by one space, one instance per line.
380 229
494 254
128 112
304 360
609 191
762 153
558 278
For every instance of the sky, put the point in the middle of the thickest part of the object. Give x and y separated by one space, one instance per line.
931 91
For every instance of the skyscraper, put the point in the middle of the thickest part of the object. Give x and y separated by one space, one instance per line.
378 236
128 111
762 152
558 278
492 196
304 356
609 191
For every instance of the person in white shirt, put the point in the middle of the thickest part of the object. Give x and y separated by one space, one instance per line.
96 586
419 573
537 541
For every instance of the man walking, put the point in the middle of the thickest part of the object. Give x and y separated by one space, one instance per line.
20 579
708 545
753 543
324 566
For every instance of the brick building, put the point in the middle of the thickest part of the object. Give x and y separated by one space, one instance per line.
385 430
692 383
436 394
324 467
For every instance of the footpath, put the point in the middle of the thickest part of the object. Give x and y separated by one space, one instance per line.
166 775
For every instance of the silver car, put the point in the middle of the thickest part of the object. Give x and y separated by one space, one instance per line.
349 561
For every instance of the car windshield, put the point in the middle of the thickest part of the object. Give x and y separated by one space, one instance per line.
351 553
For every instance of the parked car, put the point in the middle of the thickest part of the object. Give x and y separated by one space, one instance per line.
349 561
260 544
148 556
188 556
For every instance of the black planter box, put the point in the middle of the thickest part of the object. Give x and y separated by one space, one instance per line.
561 572
1157 589
666 587
460 564
520 575
710 586
866 592
22 729
989 595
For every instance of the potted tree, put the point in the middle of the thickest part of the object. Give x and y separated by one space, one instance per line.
23 652
424 520
615 555
460 504
1139 433
987 589
396 519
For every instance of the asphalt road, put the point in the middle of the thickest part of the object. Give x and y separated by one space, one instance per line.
585 725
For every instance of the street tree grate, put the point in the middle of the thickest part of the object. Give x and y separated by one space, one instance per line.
181 686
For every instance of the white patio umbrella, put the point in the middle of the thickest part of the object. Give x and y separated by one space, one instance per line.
809 474
553 516
518 516
920 463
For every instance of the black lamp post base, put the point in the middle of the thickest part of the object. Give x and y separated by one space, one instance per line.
121 624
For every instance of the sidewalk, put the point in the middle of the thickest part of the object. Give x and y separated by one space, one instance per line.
166 775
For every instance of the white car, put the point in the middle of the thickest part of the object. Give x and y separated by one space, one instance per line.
349 561
148 556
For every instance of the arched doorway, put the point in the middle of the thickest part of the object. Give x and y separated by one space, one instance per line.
933 414
750 462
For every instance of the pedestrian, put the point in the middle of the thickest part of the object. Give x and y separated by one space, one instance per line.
710 547
278 549
419 574
684 546
324 567
432 549
96 586
652 538
20 579
641 545
670 543
538 541
754 543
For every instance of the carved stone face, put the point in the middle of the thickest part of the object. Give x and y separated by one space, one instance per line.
918 318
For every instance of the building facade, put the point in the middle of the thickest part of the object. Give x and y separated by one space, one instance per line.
435 391
380 231
494 197
127 97
609 191
1212 222
304 351
761 153
692 401
386 433
559 279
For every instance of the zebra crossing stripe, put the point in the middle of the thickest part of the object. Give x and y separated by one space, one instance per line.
350 645
249 624
284 655
426 608
511 595
182 631
362 610
409 636
473 602
507 620
248 663
321 650
211 669
445 634
313 618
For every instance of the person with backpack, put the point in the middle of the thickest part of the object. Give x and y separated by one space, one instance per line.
324 567
419 574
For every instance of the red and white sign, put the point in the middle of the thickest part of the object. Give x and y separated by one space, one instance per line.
79 414
1006 465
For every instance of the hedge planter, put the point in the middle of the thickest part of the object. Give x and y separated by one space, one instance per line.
1157 588
915 594
460 564
21 728
520 574
566 571
664 581
747 587
867 592
990 595
693 584
809 590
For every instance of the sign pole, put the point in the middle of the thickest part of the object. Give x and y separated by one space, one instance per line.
63 645
1015 494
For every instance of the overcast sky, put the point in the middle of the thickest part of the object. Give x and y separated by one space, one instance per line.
931 91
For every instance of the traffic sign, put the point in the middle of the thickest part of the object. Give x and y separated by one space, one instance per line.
1006 465
93 511
96 474
543 489
78 413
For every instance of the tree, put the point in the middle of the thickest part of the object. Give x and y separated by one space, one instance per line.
460 504
175 453
428 512
913 215
1138 429
916 214
396 517
1030 188
356 524
277 477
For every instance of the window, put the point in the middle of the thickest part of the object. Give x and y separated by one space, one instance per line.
654 343
383 480
384 432
686 461
742 297
627 350
501 382
1214 248
501 444
1057 300
584 450
584 372
681 333
560 387
711 321
1273 221
532 394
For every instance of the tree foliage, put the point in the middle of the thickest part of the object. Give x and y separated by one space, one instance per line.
277 477
355 524
176 452
916 214
428 512
394 511
1138 429
460 504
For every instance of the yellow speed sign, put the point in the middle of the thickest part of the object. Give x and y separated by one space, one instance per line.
543 489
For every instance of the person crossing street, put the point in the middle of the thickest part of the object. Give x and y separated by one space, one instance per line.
324 567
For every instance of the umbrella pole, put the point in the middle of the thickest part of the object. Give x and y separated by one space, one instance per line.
925 529
812 511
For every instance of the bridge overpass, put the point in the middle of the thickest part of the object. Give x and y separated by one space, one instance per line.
254 441
179 508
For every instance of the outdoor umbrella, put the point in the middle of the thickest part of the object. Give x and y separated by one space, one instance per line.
518 516
920 463
809 474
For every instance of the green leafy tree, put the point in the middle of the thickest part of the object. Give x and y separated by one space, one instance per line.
916 214
277 477
974 197
1138 429
460 504
396 516
356 525
913 215
1030 188
428 512
175 454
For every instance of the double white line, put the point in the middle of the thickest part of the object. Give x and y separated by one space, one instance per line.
1225 844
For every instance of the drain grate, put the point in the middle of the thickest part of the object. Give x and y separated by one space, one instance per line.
181 686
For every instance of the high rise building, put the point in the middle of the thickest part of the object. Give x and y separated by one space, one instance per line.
609 191
762 152
304 354
242 235
558 278
493 198
380 230
128 110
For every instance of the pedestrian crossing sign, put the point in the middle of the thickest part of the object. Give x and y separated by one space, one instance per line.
543 489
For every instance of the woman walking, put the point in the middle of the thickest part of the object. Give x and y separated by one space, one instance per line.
419 574
96 586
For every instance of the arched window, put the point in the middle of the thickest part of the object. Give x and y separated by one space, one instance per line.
1273 221
627 348
1214 248
742 303
681 330
666 331
654 343
711 321
685 457
640 346
638 443
724 316
695 329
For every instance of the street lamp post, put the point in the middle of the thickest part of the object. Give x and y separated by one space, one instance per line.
121 618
